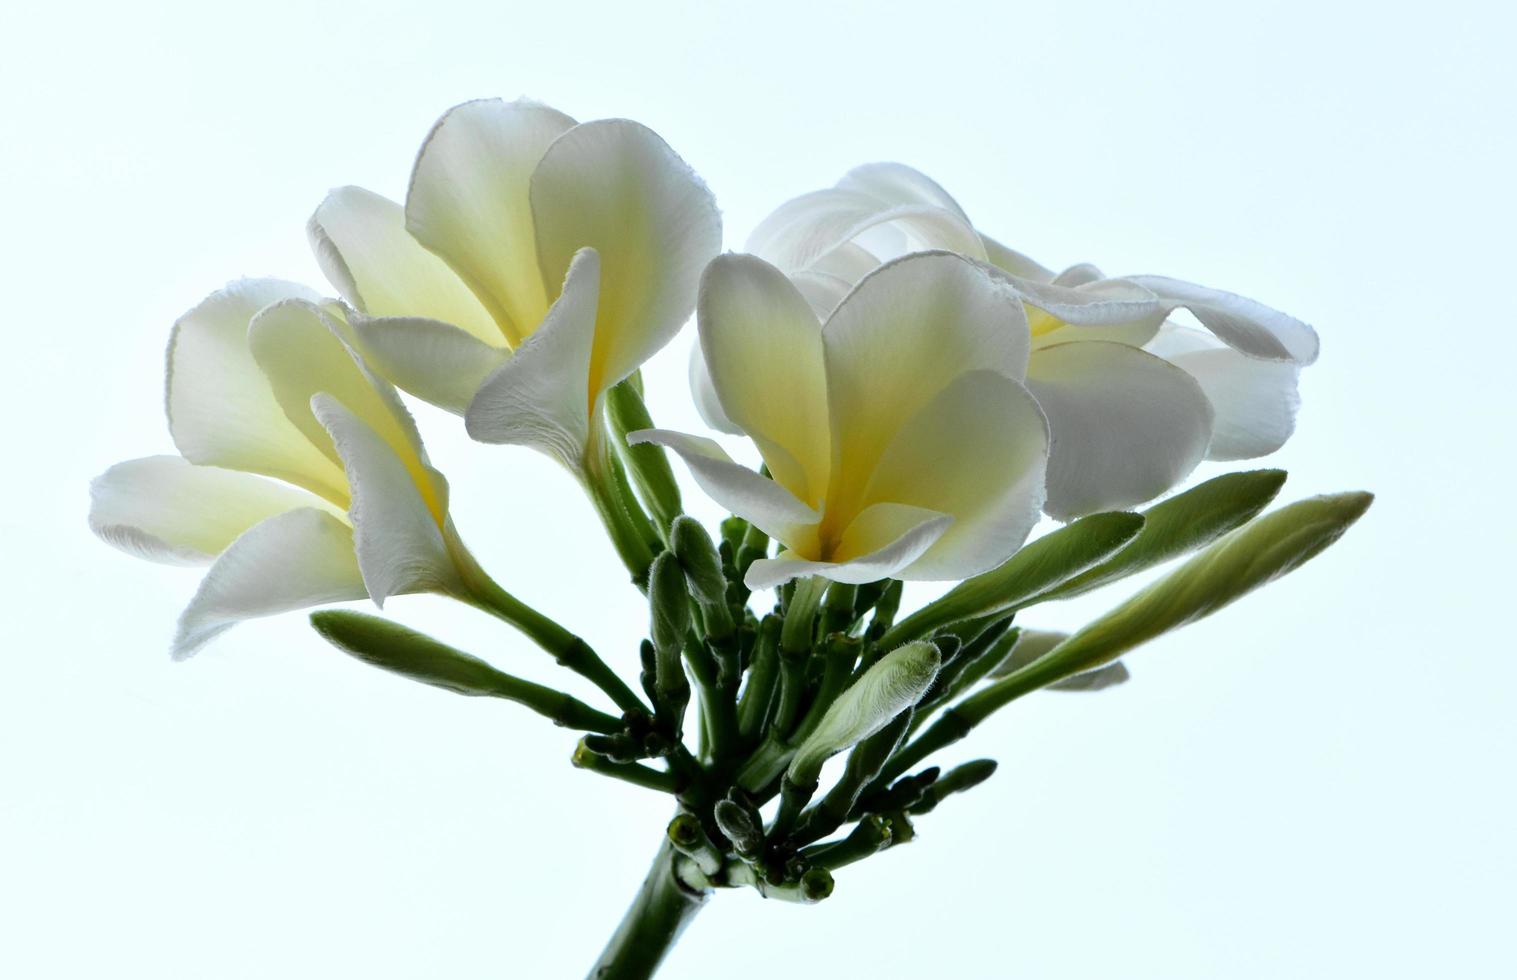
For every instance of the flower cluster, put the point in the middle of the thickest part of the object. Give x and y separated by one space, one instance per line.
919 395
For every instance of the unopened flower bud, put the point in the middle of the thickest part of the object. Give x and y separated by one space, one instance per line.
670 603
892 685
699 558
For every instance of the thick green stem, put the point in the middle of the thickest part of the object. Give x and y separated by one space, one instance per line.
663 907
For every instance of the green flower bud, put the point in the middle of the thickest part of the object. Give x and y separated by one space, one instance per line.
1182 524
956 780
670 603
419 657
733 529
1247 558
816 885
892 685
739 827
698 556
1039 567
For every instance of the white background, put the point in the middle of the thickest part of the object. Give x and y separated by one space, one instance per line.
1317 783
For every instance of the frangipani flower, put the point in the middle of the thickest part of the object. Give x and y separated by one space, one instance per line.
302 481
536 263
1134 402
900 438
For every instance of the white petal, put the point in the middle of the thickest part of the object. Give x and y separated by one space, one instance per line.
978 452
615 186
362 245
296 560
469 203
1103 309
805 228
221 409
1241 323
397 522
907 531
763 348
704 393
301 351
896 183
435 361
1079 274
1030 645
1014 262
1255 401
1178 338
823 290
805 231
167 509
540 397
757 499
1126 425
906 333
852 261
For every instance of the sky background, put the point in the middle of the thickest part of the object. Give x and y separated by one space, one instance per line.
1315 783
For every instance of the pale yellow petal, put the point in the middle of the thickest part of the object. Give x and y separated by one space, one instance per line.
540 396
435 361
763 350
301 351
615 186
167 509
469 203
979 453
402 539
907 332
1126 425
222 411
362 245
295 560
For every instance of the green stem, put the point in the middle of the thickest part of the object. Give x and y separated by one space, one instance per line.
568 649
649 466
753 706
628 772
951 726
871 836
662 908
631 532
795 635
961 719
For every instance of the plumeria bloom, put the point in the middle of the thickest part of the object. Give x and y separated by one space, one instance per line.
1134 400
302 479
535 263
899 436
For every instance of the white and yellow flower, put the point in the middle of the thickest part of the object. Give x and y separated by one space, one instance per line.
899 436
535 263
1134 401
302 479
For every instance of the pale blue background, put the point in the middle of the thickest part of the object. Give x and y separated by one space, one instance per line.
1317 783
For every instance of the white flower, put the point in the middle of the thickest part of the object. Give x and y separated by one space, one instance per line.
303 480
900 438
1126 424
536 263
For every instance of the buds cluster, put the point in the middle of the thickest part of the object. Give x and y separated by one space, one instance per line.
829 671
